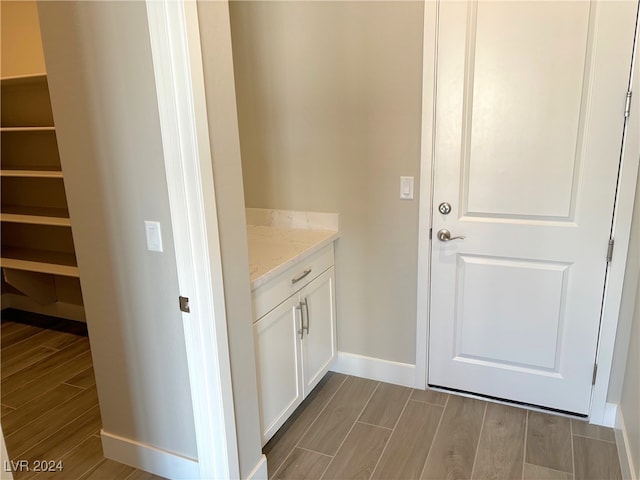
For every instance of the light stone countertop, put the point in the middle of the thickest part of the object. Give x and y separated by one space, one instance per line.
274 246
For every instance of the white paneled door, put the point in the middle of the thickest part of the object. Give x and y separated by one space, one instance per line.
530 101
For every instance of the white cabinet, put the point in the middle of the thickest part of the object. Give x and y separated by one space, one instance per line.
295 341
278 366
318 346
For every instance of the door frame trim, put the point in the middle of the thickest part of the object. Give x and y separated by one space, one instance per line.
429 58
622 219
177 63
623 216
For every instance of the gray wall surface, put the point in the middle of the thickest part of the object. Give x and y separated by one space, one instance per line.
104 101
329 106
630 399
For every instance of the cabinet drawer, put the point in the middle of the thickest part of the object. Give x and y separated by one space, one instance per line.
266 297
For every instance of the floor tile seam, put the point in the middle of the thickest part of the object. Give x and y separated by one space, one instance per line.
11 355
573 452
50 353
93 469
374 425
56 431
74 397
524 452
325 471
475 457
356 421
284 460
393 431
320 412
24 329
131 474
428 403
92 466
45 374
435 435
315 451
31 475
76 386
62 427
366 404
23 340
53 349
593 438
549 468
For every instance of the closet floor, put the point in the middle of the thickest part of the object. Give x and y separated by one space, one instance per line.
49 404
350 427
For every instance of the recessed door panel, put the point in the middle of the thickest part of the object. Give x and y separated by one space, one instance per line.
523 120
510 312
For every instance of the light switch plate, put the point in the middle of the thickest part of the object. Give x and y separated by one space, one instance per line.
154 236
406 188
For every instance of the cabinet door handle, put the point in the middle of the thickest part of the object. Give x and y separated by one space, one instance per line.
301 276
305 302
301 331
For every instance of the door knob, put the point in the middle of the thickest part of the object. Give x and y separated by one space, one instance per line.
444 235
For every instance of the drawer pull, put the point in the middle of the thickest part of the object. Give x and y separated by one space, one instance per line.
305 302
301 331
301 276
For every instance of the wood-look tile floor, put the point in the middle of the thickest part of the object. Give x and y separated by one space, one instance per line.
50 406
352 428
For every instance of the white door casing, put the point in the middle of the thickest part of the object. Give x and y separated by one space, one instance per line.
528 126
177 62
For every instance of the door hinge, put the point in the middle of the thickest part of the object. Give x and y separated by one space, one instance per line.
610 250
627 105
184 304
595 372
430 233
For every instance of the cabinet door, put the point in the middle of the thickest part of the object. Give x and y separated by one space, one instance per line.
278 362
319 342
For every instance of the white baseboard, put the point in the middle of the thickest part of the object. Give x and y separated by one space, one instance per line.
260 470
375 369
148 458
624 452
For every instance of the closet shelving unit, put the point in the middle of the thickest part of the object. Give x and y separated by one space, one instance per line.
36 228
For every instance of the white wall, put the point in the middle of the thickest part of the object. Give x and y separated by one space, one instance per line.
104 101
329 106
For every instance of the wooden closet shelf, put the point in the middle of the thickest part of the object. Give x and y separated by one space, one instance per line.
40 261
23 79
27 129
31 173
58 217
